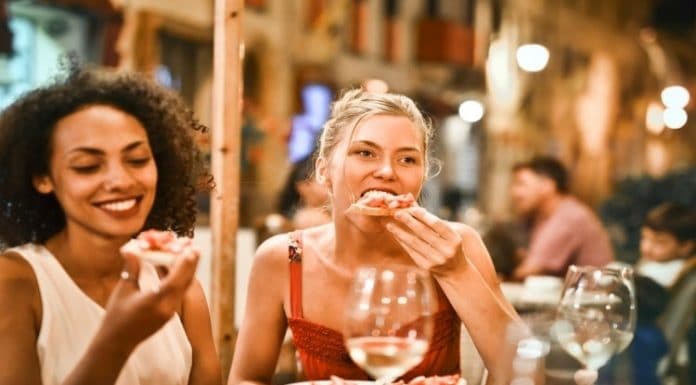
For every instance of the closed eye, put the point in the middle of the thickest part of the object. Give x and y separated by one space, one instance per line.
139 162
86 169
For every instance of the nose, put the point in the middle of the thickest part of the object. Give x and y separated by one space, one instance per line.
117 178
385 170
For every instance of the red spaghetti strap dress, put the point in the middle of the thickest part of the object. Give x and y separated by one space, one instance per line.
322 352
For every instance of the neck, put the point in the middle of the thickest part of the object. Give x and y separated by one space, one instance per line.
374 245
87 256
548 206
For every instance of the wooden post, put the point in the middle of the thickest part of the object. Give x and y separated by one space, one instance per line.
225 148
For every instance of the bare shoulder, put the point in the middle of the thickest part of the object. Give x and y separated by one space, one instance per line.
16 271
273 250
468 233
18 285
270 263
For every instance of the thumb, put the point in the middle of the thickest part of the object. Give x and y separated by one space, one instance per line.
128 284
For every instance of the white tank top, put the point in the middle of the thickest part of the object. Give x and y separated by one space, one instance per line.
71 319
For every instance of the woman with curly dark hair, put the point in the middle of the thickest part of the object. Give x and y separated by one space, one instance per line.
86 163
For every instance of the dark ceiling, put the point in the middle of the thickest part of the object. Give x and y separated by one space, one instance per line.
677 17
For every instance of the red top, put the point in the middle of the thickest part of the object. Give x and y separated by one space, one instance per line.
322 351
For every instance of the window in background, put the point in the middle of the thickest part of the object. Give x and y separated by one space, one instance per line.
41 35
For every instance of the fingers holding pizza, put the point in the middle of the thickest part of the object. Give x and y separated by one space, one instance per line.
177 256
434 244
160 248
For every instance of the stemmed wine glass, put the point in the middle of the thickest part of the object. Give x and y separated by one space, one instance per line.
596 317
389 320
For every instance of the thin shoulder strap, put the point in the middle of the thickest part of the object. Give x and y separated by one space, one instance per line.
295 261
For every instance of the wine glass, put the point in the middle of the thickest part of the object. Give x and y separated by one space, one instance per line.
625 272
596 316
389 320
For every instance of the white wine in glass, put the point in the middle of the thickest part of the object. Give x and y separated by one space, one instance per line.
389 320
596 315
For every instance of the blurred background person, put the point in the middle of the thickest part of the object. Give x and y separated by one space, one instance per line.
668 257
562 230
303 201
667 243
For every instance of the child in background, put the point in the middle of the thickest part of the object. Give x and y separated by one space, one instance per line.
668 243
668 256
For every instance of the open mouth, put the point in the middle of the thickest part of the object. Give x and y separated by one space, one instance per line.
118 206
392 192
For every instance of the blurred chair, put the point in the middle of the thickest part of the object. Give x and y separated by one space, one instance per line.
675 323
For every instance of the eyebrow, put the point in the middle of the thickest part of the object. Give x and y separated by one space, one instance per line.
373 144
96 151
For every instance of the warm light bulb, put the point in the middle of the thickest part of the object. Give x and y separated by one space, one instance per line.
654 120
471 111
675 97
532 57
674 118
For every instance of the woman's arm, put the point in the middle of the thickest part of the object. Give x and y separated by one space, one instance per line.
132 316
458 260
264 324
19 323
196 319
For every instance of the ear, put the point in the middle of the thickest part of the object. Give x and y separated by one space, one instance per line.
687 248
43 184
321 168
548 185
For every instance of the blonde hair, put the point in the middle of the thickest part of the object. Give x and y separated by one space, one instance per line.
356 105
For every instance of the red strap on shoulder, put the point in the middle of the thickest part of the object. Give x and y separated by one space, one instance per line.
295 262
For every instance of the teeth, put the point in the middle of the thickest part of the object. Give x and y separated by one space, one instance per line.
119 206
382 191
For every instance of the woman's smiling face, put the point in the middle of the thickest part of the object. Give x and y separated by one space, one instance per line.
101 171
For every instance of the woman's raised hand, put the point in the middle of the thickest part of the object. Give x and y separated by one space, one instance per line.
133 314
431 242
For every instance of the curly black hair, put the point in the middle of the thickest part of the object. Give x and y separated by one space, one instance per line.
26 128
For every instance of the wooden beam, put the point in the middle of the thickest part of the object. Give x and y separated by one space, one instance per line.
225 147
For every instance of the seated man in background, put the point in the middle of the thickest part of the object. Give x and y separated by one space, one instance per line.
562 230
667 243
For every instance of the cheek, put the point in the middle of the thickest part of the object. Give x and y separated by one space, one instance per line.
149 176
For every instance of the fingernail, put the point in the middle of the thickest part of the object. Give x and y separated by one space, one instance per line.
390 227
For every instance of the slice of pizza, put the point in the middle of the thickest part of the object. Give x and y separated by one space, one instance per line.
159 248
382 203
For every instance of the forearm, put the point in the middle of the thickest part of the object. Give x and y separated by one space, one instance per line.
527 268
485 313
101 364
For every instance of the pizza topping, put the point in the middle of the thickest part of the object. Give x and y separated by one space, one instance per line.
383 199
157 247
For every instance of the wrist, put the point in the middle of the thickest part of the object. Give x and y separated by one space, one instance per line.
112 346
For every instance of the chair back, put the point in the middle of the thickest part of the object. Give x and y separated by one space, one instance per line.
678 318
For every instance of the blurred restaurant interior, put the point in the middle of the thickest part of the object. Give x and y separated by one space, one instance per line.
602 85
